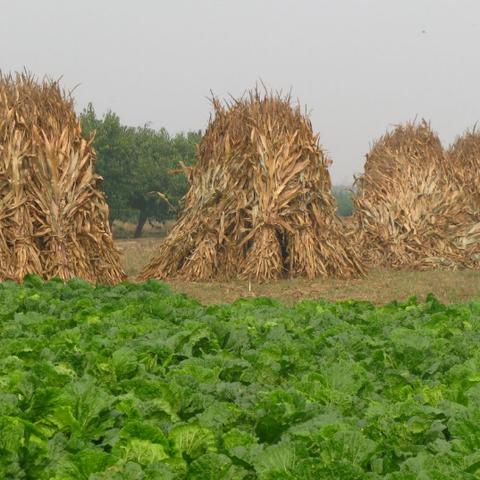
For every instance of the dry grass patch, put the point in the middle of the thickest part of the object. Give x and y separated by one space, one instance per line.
379 286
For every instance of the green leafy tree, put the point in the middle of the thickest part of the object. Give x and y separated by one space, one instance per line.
343 197
136 165
114 144
155 190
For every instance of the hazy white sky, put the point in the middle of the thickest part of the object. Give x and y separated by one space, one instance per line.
358 65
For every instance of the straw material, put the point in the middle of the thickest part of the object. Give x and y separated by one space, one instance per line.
260 205
408 210
464 156
53 217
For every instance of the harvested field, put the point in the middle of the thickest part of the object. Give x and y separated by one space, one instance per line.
378 286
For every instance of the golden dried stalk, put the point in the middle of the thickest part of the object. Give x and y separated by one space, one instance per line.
464 156
259 205
409 212
53 217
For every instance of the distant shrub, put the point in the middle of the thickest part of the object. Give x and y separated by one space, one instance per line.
343 197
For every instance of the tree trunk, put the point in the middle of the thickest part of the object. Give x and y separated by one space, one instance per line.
142 219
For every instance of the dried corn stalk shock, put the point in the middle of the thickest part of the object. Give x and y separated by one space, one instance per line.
259 205
464 156
53 217
409 211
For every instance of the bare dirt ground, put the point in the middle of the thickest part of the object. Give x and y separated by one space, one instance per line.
379 286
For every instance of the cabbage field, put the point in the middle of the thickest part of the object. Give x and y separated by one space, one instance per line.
134 382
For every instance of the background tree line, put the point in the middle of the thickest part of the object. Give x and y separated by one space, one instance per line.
136 162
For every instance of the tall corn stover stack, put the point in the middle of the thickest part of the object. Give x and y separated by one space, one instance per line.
53 216
259 205
409 211
464 155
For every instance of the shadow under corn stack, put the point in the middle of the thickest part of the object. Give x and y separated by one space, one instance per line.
53 216
260 205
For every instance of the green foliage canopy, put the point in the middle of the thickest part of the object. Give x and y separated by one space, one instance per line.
134 382
135 161
343 197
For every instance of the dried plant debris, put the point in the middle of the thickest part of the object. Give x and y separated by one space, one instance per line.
464 156
409 211
260 205
53 216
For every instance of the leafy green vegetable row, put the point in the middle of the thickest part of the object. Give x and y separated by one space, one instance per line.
134 382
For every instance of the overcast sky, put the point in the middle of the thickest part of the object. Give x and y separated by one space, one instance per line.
358 65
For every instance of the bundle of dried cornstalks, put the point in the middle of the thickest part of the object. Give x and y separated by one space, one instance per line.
53 217
259 205
408 210
464 156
